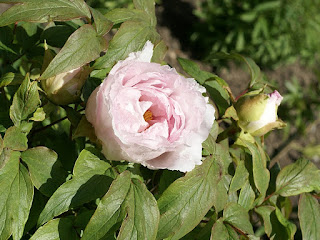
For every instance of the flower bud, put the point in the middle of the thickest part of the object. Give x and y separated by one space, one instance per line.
258 113
65 88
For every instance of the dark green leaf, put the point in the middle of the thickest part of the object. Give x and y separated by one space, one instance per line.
90 181
143 214
120 15
299 177
85 129
45 170
253 67
15 139
82 46
27 34
57 229
221 231
290 227
101 23
187 200
56 36
16 193
131 37
25 101
45 11
194 70
110 209
309 216
218 94
238 217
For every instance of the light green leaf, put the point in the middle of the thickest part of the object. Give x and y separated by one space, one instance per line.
265 212
253 67
101 23
223 232
247 196
45 11
11 79
120 15
261 174
90 181
131 37
143 214
147 6
39 115
240 177
218 94
15 139
46 171
299 177
159 52
57 229
187 200
194 70
83 46
309 216
16 194
237 216
110 209
25 101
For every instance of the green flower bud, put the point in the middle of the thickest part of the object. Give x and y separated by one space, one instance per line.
65 88
258 113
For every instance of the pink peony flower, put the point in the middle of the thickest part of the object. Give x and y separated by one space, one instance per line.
149 114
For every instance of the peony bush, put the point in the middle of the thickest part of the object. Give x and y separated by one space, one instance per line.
101 139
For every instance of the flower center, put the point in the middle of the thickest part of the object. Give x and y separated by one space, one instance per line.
147 116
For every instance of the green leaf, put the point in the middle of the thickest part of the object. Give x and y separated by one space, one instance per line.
240 177
218 94
57 229
101 23
309 216
247 196
45 11
56 36
290 227
16 194
187 200
238 217
90 181
143 214
194 70
147 6
25 101
39 115
253 67
265 213
110 209
15 139
46 172
82 47
222 231
159 52
85 129
11 79
120 15
299 177
131 37
261 174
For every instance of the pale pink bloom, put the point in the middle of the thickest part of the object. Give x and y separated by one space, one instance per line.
149 114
